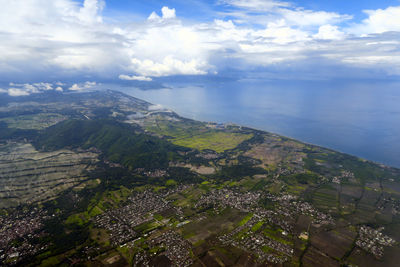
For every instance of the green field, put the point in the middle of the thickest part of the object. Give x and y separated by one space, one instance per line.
196 135
217 141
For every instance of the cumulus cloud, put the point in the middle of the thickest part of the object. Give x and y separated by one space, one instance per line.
17 89
89 13
27 88
17 92
329 32
168 66
135 78
379 21
154 17
24 89
166 13
58 35
75 87
82 86
70 39
281 33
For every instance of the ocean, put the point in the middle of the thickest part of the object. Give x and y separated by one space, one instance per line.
359 118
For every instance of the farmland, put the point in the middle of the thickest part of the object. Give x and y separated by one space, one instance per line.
102 179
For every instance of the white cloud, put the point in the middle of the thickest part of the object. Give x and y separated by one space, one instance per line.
155 107
17 92
75 87
3 91
168 49
153 16
256 4
21 89
168 13
379 21
89 13
88 85
43 86
301 17
135 78
168 66
329 32
46 35
82 86
266 11
64 38
280 33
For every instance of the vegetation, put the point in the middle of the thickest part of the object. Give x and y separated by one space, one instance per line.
120 143
196 135
266 196
33 121
214 140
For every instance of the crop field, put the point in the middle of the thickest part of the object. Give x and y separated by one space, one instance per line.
174 128
334 243
214 140
271 154
196 135
35 122
211 224
52 172
313 257
325 199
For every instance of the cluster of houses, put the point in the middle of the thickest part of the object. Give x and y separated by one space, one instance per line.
23 226
373 240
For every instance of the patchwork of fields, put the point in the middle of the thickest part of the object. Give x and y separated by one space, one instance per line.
29 176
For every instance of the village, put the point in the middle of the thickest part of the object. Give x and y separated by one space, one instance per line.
266 232
173 246
139 209
17 231
373 240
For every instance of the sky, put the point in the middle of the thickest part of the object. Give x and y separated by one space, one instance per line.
76 45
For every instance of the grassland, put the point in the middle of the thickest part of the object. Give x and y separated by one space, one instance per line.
197 136
217 141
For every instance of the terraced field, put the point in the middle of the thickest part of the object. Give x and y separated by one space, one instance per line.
27 175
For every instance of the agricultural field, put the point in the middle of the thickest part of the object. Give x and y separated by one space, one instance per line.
197 135
35 121
217 141
29 176
103 179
